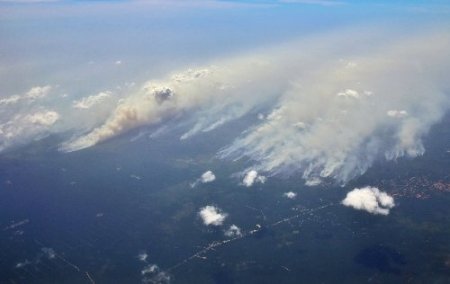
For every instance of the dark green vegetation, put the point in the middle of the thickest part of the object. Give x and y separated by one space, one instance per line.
99 208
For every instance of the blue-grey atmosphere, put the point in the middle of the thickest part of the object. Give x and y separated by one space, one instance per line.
214 141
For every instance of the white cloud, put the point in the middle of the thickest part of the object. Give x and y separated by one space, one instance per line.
33 94
47 118
149 269
233 231
143 256
88 102
251 177
22 128
10 100
207 177
397 113
212 215
38 92
370 199
349 93
290 195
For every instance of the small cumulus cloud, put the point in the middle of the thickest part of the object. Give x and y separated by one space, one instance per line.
207 177
290 195
252 177
212 215
142 256
349 93
233 231
38 92
369 199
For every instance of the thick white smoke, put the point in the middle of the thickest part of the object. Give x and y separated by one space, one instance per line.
334 122
337 104
218 94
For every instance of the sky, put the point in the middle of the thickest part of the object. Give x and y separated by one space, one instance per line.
335 85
